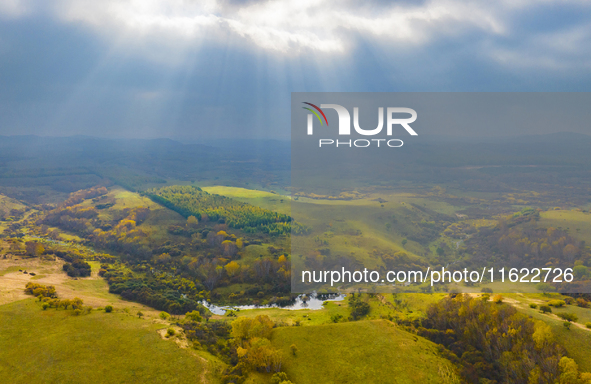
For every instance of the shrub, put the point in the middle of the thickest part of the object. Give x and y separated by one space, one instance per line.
582 303
545 309
279 377
40 291
77 312
164 315
76 303
170 332
569 300
566 324
580 271
557 303
545 287
533 305
358 308
293 349
194 316
588 325
567 316
45 306
498 299
77 268
109 309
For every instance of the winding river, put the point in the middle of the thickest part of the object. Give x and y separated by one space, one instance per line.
302 302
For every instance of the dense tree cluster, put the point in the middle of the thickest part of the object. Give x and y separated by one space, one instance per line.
495 343
75 265
77 268
41 291
251 339
12 214
75 304
212 335
358 307
72 218
34 248
192 201
527 245
79 196
244 345
176 271
157 290
48 296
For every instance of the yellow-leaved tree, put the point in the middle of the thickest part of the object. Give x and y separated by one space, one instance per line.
192 222
232 268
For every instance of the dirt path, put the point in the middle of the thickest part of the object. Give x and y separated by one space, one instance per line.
517 303
13 281
182 342
93 290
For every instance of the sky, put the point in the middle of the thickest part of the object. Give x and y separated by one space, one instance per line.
192 70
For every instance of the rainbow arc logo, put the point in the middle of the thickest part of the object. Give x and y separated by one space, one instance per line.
314 112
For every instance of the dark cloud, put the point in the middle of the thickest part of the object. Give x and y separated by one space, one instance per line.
66 71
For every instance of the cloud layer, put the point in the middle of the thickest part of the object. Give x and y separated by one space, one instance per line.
186 67
321 26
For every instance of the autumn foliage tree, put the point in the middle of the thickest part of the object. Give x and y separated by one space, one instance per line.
34 249
252 336
493 341
39 290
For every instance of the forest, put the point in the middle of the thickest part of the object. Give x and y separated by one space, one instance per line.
174 273
192 201
518 241
493 342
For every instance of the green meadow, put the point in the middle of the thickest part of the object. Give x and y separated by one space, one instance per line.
576 222
374 351
52 346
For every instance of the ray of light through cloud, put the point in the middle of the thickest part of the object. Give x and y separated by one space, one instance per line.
183 68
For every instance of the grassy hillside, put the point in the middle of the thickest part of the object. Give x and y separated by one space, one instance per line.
7 204
382 220
57 347
577 223
360 352
8 207
576 340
